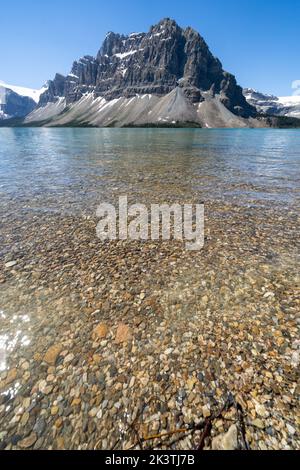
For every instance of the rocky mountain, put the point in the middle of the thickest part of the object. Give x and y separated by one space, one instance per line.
162 77
17 102
288 106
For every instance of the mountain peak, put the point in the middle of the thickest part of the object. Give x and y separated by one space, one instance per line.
156 63
167 22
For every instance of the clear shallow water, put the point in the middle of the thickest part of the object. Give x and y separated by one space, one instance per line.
73 169
239 296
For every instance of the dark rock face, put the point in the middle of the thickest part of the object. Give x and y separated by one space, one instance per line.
154 63
56 88
13 105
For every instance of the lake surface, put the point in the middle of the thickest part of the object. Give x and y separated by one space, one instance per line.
73 169
95 336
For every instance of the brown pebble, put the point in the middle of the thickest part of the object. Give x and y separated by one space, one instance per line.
11 377
60 442
123 334
28 441
52 354
101 331
58 423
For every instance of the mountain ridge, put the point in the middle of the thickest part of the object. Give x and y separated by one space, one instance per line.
284 106
169 66
16 101
166 77
32 93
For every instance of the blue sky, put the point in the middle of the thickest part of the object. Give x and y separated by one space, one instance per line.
257 40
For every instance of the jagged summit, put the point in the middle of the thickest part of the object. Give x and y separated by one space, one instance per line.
154 64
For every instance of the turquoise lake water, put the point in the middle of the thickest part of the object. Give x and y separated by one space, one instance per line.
73 169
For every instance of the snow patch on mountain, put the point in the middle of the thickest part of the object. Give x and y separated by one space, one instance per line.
125 54
22 91
289 100
288 106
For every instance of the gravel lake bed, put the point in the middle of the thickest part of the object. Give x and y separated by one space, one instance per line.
144 345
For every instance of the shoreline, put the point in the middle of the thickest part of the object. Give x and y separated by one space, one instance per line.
264 121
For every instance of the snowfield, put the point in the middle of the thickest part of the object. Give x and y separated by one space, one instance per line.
22 91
